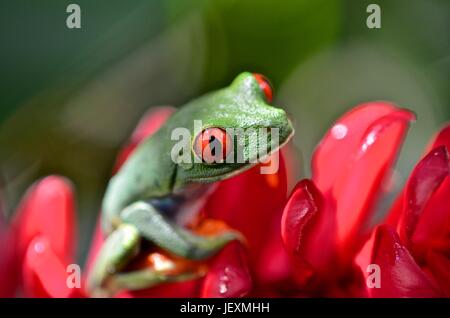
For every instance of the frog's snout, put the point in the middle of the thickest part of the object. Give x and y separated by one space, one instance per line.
283 124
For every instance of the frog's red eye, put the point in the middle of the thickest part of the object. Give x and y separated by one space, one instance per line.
265 85
212 145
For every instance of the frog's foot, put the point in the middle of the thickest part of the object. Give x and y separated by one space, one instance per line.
171 237
120 246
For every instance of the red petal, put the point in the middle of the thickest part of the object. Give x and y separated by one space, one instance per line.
425 179
48 209
424 213
441 139
301 208
228 275
343 139
148 125
308 236
252 203
400 275
433 228
299 217
351 164
43 272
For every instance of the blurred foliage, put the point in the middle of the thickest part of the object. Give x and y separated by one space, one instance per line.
69 98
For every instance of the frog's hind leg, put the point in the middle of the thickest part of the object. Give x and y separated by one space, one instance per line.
145 278
169 236
120 246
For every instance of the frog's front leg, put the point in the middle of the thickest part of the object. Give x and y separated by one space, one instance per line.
120 246
171 237
141 219
106 278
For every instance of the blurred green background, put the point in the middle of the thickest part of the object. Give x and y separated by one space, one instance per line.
69 98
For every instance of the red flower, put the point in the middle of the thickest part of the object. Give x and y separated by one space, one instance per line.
327 235
42 237
328 219
421 216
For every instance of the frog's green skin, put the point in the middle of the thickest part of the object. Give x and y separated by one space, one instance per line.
142 197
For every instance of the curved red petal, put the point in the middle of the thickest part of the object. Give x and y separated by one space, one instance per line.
441 139
425 179
48 209
228 275
299 215
244 204
147 126
343 139
44 274
433 227
364 145
400 276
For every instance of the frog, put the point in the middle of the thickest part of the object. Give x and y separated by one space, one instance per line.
150 200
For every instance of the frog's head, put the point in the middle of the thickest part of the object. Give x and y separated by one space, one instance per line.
239 128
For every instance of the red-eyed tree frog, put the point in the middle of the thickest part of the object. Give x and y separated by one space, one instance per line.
153 194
